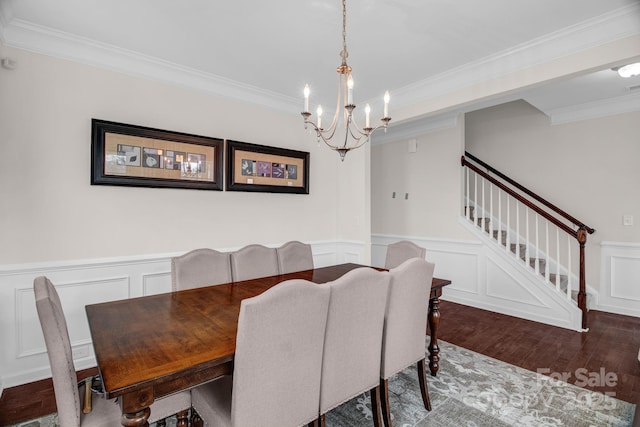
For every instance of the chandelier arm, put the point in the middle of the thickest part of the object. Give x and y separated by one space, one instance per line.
357 128
324 135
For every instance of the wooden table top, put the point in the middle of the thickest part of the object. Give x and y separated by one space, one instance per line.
177 340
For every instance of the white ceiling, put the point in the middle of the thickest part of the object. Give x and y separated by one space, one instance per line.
265 51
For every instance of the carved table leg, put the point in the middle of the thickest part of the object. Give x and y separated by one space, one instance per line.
434 320
139 419
135 407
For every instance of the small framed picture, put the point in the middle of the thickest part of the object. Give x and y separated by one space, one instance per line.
253 167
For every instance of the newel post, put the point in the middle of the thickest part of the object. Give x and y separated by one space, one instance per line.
582 292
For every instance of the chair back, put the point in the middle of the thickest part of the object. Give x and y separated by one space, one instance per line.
200 267
294 256
276 379
399 252
56 338
405 323
353 340
254 261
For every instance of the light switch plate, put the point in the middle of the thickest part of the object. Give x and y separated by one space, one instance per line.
627 220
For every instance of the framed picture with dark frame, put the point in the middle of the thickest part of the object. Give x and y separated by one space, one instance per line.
253 167
138 156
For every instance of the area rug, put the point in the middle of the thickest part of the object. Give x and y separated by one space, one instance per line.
473 390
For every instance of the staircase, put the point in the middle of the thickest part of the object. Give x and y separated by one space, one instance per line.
519 250
535 235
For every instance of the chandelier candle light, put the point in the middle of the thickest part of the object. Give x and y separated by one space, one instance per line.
354 136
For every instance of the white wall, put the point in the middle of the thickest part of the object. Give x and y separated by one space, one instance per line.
49 211
430 176
588 168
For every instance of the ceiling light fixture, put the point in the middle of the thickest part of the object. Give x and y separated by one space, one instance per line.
630 70
354 136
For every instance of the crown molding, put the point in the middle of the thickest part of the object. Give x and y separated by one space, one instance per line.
592 110
606 28
6 15
43 40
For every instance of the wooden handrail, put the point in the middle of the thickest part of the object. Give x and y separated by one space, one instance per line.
529 193
564 227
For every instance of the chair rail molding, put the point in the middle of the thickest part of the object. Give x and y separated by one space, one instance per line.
620 278
23 355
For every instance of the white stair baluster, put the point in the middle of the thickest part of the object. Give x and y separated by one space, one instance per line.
527 258
558 258
537 254
475 197
499 234
518 230
568 266
484 210
468 200
507 246
546 239
491 210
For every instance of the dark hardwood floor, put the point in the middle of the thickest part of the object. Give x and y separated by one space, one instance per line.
611 345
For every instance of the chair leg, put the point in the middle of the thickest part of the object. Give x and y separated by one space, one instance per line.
183 418
375 406
196 421
384 402
321 420
423 384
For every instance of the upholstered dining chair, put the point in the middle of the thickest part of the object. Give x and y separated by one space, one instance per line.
405 326
353 340
200 267
254 261
104 413
277 363
399 252
294 256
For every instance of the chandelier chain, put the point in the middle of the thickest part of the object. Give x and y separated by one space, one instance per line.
344 52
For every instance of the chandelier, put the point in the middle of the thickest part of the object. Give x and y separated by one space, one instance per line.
354 136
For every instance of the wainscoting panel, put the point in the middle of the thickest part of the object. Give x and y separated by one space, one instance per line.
459 261
620 278
482 277
23 356
157 283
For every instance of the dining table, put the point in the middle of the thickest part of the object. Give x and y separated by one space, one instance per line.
153 346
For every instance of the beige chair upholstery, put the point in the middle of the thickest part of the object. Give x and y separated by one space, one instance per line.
254 261
353 341
399 252
105 413
200 267
405 326
294 256
276 378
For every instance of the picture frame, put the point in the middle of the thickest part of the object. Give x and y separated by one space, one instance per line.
130 155
253 167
